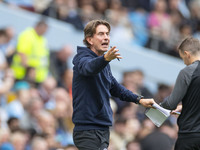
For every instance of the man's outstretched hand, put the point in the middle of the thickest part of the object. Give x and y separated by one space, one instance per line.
147 102
112 54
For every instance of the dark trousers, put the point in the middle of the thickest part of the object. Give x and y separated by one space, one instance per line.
188 143
91 139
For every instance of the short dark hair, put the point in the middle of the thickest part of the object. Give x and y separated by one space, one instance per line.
90 29
190 44
11 119
3 32
42 22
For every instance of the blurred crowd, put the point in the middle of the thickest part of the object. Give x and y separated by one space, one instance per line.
156 24
36 83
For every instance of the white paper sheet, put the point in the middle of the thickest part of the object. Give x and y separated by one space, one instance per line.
157 115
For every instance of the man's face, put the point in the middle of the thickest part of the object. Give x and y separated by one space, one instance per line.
3 39
100 40
41 30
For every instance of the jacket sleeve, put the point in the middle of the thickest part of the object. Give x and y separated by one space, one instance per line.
117 90
24 44
180 88
90 66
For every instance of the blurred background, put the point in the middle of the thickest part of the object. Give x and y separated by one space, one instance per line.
38 39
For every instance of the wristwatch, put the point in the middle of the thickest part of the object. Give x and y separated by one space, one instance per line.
138 99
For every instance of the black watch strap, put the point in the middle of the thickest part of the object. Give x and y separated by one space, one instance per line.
138 99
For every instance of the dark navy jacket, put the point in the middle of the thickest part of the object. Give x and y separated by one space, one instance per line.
93 85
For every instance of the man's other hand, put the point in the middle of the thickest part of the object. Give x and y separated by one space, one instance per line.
147 102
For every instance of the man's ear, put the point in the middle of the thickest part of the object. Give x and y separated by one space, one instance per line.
187 53
89 40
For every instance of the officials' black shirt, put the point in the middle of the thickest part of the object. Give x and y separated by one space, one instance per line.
187 91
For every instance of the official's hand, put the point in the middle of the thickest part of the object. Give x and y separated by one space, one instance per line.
112 54
147 102
178 109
